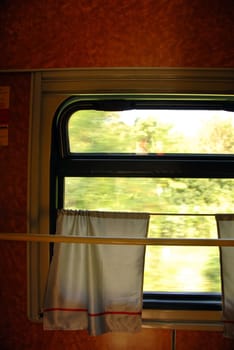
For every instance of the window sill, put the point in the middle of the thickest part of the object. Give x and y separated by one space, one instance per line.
182 319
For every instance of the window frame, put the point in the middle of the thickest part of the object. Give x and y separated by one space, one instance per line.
65 164
50 88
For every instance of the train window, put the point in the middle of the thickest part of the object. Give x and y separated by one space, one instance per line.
172 158
157 140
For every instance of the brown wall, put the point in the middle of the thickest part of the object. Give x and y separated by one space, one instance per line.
63 34
81 33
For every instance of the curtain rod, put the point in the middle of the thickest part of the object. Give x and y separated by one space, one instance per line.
28 237
182 214
147 213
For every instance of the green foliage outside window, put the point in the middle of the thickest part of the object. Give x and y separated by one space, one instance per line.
166 268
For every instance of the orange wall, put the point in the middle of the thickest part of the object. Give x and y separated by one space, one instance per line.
100 33
81 33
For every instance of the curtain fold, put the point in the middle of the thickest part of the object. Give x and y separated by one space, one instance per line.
225 224
95 286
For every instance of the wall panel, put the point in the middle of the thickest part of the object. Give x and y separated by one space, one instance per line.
13 211
13 158
193 340
97 33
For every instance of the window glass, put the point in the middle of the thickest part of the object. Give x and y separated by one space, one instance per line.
152 131
183 207
166 268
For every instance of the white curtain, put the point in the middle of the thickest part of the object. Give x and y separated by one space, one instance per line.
95 286
225 225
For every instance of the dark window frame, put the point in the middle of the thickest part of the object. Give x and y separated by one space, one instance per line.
65 164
